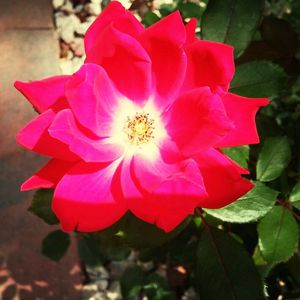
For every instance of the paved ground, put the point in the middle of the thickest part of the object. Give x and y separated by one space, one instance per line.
28 51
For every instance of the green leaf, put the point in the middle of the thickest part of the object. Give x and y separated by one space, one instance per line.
295 196
232 22
41 206
150 18
132 281
156 287
273 158
90 251
118 253
225 270
190 10
55 244
258 79
278 235
249 208
135 233
238 154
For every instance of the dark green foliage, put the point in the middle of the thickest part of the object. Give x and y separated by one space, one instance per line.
249 208
258 79
232 22
56 244
224 269
41 206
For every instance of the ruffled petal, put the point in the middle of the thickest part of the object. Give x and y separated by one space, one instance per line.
65 129
242 111
48 176
125 61
84 199
197 121
116 15
209 64
43 94
222 179
35 137
92 98
164 42
167 190
190 28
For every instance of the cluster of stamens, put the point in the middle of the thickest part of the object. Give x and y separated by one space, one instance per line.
139 129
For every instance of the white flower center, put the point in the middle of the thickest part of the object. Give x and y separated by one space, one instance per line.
138 129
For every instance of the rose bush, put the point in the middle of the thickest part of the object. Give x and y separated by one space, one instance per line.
140 126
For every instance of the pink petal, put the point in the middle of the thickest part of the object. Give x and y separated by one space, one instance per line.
85 200
209 64
65 129
222 179
42 94
92 98
165 190
34 136
190 28
117 15
164 42
242 111
48 176
125 61
197 120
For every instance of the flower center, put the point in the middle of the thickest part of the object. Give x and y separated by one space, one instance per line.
139 129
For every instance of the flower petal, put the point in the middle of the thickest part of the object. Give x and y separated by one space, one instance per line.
84 199
125 61
43 94
209 64
222 179
197 120
167 190
92 98
117 15
190 28
242 111
164 42
48 176
34 136
65 129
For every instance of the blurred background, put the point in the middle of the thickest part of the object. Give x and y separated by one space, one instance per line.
41 38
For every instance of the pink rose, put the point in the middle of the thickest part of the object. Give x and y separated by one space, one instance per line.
140 126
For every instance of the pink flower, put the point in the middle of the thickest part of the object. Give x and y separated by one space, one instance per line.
140 126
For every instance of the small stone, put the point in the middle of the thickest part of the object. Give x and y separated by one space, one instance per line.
66 26
126 3
77 62
93 8
97 272
147 266
77 46
66 66
57 3
102 284
67 7
64 49
114 291
98 296
190 294
117 268
89 290
78 8
91 19
143 9
82 28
